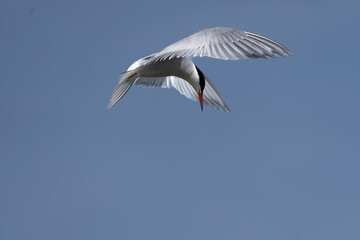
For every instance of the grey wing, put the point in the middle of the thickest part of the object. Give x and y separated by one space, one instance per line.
163 82
123 86
170 81
223 43
211 95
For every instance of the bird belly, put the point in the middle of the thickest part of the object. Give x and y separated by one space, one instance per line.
179 67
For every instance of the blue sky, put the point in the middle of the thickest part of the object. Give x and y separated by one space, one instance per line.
284 164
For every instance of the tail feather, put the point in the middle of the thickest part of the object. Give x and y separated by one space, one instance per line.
125 83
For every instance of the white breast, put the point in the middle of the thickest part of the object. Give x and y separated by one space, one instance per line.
180 67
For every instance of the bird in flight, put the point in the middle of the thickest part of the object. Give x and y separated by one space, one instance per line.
173 67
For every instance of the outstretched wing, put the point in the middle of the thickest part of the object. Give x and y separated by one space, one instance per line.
211 95
223 43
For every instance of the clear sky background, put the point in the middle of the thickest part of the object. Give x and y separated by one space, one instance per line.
284 164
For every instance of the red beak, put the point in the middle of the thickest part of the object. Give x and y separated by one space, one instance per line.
201 100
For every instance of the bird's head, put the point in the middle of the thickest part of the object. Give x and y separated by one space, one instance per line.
201 87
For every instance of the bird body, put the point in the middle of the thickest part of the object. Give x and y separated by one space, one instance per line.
179 67
172 67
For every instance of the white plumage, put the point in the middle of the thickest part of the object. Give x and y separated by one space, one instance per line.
172 66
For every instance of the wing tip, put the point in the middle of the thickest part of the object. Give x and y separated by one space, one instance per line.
284 51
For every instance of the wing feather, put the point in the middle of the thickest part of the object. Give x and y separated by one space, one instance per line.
222 43
211 95
218 42
125 83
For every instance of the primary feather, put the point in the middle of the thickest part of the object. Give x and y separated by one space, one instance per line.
223 43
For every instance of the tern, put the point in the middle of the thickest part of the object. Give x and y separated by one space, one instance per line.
173 67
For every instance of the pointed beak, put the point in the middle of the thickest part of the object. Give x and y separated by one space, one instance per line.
201 100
